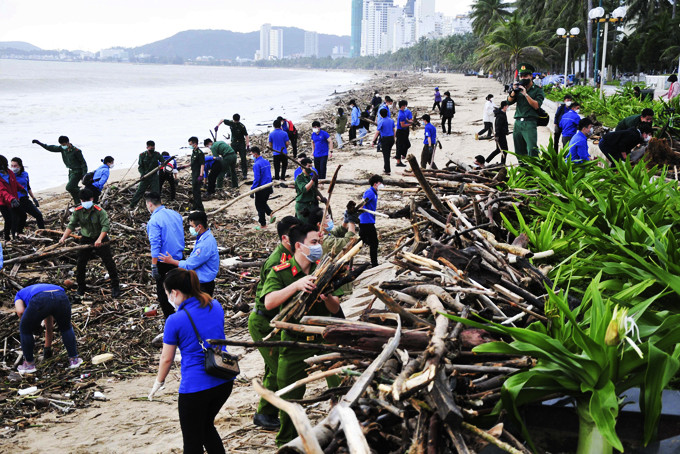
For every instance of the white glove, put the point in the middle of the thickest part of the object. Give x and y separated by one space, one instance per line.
156 386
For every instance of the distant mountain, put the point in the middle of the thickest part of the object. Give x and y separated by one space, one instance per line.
18 45
224 44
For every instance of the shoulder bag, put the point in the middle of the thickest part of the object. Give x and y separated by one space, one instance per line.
218 363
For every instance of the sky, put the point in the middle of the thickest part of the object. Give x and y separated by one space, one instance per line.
92 25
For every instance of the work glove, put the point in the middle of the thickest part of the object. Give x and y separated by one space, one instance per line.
154 272
14 203
35 141
35 202
315 178
156 386
199 179
47 352
323 199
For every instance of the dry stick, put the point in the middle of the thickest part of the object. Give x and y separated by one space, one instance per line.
490 438
432 197
297 415
283 206
292 344
395 307
326 429
40 255
405 229
314 377
77 237
356 441
328 199
233 201
124 188
457 440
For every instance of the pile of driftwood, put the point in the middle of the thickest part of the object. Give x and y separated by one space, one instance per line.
411 382
123 327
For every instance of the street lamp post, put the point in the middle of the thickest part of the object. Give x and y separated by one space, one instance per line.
598 15
562 33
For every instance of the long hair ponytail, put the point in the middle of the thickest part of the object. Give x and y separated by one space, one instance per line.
186 281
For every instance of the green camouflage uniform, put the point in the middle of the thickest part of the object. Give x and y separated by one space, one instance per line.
304 198
524 133
223 150
147 162
238 143
77 167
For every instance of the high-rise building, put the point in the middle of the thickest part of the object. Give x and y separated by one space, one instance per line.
311 44
424 13
355 43
377 26
276 43
265 32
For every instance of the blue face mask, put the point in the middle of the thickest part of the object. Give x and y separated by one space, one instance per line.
87 205
330 225
315 253
193 231
65 147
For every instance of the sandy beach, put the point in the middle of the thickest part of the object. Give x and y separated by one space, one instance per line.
127 422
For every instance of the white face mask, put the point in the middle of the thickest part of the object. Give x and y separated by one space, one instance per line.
171 300
16 170
315 130
87 205
577 110
567 103
380 186
646 139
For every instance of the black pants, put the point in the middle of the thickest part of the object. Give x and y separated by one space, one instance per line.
11 217
556 139
369 236
208 287
293 137
43 305
488 126
353 132
197 412
243 154
403 144
386 144
280 166
214 172
27 208
167 308
437 106
196 193
104 253
170 178
426 156
501 148
262 206
320 164
444 120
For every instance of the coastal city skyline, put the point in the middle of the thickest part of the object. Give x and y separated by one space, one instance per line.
75 25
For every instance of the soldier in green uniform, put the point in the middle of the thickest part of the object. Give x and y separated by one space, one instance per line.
94 228
529 98
240 141
282 284
634 121
267 415
148 161
222 150
73 160
306 188
197 169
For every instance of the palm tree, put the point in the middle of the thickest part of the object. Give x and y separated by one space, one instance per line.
487 13
511 42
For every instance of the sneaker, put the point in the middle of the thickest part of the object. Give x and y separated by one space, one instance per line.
74 363
476 136
26 368
261 227
400 164
157 341
267 422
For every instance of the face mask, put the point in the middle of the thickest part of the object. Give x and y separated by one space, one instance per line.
65 147
590 132
87 205
193 231
577 110
16 170
330 225
315 253
381 186
525 82
315 130
567 103
171 300
646 139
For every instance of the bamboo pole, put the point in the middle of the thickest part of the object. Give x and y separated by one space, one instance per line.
429 193
233 201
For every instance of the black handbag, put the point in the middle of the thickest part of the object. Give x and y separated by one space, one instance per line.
218 363
543 118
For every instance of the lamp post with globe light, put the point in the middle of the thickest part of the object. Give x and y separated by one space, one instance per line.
562 33
598 15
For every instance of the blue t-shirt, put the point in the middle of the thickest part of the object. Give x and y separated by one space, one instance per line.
569 123
404 115
431 132
22 179
262 173
578 148
386 127
298 171
27 293
320 140
371 195
278 139
178 331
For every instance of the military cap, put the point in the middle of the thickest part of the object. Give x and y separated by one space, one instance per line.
525 68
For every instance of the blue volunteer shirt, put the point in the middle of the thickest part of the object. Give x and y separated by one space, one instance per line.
27 293
379 120
2 259
298 171
356 116
404 115
578 148
431 133
22 179
178 331
278 139
320 140
209 161
569 123
386 127
371 197
262 172
101 176
204 259
166 233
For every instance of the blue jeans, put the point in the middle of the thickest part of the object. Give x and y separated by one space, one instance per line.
320 165
41 306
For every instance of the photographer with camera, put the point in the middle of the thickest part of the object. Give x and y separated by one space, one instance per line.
529 98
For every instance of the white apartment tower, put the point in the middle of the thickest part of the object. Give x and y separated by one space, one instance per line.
377 26
311 44
265 31
425 17
276 43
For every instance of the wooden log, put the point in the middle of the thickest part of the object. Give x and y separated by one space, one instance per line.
297 415
298 328
57 232
373 338
424 291
314 377
395 307
356 441
303 345
429 192
41 255
490 438
328 199
442 397
233 201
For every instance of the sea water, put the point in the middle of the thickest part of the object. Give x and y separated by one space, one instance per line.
114 108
